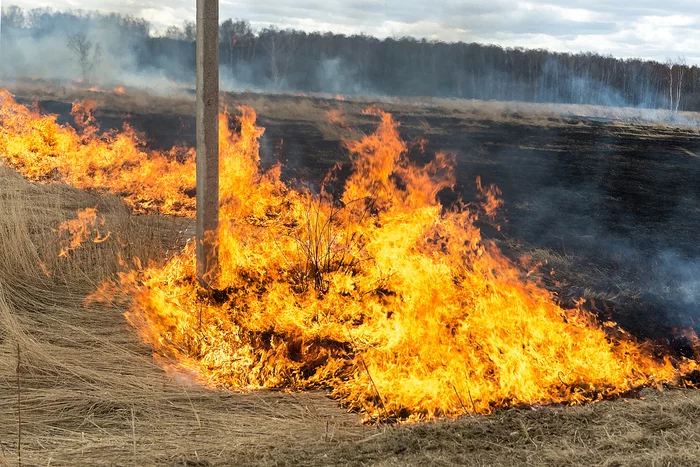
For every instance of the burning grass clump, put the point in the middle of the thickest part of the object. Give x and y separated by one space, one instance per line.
382 295
89 393
77 387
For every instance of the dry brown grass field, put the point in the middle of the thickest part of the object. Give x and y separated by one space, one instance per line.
77 387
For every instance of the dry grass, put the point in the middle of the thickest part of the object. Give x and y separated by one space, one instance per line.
335 120
90 392
560 114
170 99
309 107
146 101
472 113
659 430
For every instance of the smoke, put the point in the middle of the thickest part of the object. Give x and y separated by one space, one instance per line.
615 218
119 51
35 44
108 53
242 76
679 278
334 76
559 84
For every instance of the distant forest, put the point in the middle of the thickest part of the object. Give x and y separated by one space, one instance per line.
272 59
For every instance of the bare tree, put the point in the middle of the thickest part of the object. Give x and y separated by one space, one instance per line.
234 36
676 71
680 65
175 33
272 47
88 53
188 31
669 65
12 17
290 44
279 46
189 28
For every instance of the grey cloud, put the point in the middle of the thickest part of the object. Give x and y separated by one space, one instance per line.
634 9
529 23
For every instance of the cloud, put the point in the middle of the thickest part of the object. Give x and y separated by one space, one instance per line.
643 28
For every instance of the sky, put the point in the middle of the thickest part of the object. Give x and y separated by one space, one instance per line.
651 29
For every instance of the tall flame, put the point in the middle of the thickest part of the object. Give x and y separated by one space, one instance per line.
389 299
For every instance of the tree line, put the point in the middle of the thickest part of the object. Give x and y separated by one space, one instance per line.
275 59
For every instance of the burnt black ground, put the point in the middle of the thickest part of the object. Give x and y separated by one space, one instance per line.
610 210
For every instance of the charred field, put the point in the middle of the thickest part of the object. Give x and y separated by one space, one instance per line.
603 208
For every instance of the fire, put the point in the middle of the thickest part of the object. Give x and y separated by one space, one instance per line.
44 150
75 232
119 90
491 198
382 295
336 117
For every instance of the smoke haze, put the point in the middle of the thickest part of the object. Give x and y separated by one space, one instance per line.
35 43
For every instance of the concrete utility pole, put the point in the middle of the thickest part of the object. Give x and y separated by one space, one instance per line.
207 141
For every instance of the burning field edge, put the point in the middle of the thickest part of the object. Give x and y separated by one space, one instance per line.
113 401
91 394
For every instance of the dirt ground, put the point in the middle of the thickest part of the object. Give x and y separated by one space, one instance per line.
597 203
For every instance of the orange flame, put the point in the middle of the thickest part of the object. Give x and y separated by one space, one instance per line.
78 231
383 295
43 150
336 117
491 198
119 90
